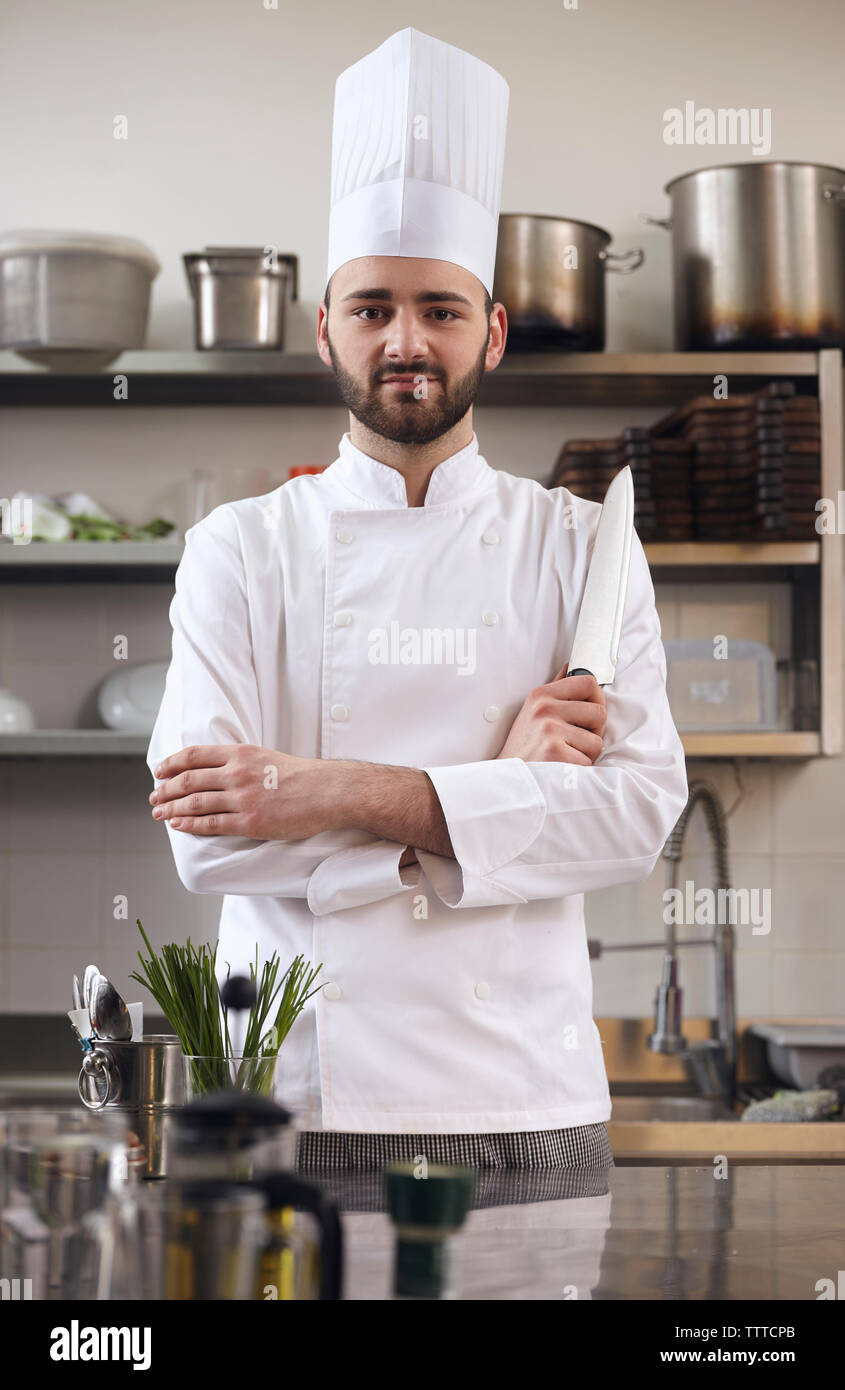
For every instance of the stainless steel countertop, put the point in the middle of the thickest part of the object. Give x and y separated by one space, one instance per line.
762 1232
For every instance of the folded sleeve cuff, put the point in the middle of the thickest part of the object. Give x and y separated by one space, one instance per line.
493 810
359 875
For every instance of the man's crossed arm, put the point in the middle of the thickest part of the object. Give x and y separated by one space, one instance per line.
263 794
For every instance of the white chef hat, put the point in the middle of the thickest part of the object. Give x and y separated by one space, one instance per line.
418 146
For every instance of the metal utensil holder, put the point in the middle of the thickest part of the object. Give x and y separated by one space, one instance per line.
145 1078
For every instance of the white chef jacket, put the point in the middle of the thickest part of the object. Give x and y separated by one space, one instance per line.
457 996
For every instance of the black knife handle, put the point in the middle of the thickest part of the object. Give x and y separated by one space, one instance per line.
582 671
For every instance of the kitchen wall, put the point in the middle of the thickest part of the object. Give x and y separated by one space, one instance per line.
229 112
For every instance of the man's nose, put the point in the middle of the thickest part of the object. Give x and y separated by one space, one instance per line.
405 339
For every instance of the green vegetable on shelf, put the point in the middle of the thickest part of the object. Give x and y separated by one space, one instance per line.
95 528
183 982
153 530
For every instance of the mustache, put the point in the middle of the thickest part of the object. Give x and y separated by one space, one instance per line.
408 371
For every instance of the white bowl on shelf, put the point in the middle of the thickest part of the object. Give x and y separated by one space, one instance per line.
16 716
129 700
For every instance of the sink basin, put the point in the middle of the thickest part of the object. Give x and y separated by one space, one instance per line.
674 1109
797 1052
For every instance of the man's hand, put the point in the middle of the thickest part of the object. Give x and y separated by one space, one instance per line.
239 789
561 722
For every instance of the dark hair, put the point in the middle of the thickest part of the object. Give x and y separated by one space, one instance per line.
488 302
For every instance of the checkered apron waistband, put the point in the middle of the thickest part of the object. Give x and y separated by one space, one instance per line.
528 1166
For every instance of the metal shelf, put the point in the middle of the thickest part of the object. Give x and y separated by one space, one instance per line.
719 744
165 555
73 743
195 378
78 743
683 554
99 555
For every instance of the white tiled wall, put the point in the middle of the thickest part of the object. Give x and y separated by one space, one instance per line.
75 837
74 834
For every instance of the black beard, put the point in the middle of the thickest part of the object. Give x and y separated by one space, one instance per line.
407 420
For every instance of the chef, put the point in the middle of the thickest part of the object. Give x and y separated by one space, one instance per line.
368 743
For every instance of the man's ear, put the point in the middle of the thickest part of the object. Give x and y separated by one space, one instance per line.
321 336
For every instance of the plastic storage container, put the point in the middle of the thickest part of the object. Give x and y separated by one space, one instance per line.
737 693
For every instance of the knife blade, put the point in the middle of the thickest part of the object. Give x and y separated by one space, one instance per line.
596 643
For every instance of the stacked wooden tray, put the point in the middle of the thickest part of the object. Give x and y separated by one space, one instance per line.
755 463
745 468
586 467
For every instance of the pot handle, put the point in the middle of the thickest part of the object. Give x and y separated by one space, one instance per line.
835 194
636 257
665 222
94 1064
292 262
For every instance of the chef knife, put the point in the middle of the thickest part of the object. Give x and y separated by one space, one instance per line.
596 642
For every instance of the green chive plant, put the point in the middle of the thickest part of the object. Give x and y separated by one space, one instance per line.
183 982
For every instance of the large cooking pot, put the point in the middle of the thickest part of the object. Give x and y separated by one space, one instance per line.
758 255
550 277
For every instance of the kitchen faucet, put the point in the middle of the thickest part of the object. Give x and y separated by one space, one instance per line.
711 1064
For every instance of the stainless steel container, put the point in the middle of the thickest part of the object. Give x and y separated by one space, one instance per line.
145 1078
71 292
240 294
550 277
758 254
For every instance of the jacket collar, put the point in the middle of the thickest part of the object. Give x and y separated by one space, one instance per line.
379 485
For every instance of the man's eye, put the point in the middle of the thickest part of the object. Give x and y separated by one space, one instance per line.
369 309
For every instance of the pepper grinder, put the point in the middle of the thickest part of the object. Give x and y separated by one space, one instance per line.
427 1209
